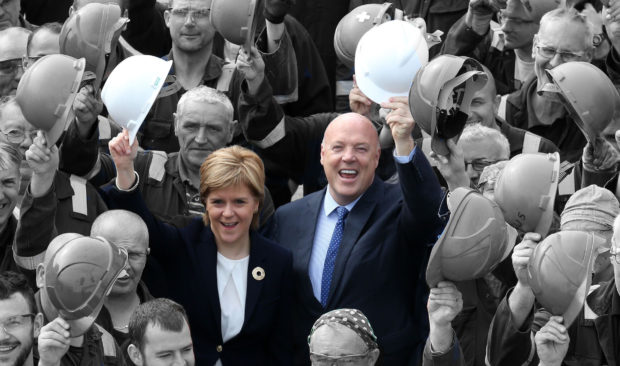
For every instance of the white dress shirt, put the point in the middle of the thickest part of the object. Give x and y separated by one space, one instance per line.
325 225
232 285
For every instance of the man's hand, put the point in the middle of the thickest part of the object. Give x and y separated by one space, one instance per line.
401 124
53 342
600 156
44 162
252 67
479 15
123 156
275 10
358 101
552 342
521 256
452 167
87 108
611 20
445 302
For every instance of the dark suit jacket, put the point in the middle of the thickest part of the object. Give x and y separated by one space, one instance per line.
380 263
188 256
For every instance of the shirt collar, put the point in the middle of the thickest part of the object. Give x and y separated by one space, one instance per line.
330 204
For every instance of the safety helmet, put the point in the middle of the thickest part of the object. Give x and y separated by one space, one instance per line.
354 25
46 92
475 240
92 32
526 189
441 94
559 271
235 20
387 58
78 276
588 94
537 8
131 90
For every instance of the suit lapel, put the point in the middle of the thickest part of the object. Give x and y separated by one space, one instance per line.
304 241
254 287
205 259
353 226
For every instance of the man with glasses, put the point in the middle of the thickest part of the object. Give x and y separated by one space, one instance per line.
43 41
482 146
20 321
13 42
564 36
505 48
343 337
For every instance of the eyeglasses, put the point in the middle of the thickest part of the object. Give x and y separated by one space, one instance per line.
29 61
13 323
196 14
18 136
503 19
318 359
550 52
479 164
9 67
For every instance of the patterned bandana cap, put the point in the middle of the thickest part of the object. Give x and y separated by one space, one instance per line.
352 319
593 204
491 173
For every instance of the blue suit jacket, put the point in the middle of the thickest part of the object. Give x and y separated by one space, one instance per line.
380 263
188 256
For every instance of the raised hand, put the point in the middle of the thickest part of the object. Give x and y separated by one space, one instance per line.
53 342
123 156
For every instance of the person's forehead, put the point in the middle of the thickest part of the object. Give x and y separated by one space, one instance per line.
478 148
13 42
569 33
157 339
16 304
12 116
202 112
44 42
351 129
515 9
190 3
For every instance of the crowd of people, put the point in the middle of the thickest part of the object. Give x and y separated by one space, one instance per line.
262 207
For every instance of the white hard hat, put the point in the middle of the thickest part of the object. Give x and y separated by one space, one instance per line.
131 90
387 58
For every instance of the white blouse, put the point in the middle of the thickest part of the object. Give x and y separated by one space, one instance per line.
232 285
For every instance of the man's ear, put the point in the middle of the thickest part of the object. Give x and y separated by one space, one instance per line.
134 355
176 122
40 275
496 102
231 131
38 324
534 42
373 356
167 17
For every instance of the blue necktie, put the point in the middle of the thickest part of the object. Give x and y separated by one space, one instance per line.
332 252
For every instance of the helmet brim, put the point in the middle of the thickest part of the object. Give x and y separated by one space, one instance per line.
544 224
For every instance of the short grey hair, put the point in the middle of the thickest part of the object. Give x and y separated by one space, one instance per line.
477 131
571 14
10 157
205 94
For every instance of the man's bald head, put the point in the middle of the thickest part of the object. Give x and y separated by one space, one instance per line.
484 104
118 226
349 155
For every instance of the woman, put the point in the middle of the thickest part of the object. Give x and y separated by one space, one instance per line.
234 283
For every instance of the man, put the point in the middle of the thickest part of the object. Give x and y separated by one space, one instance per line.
20 322
564 35
384 233
10 160
590 339
125 230
483 110
44 40
505 49
482 146
343 336
159 335
13 43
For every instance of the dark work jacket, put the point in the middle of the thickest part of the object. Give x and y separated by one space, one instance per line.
386 241
189 257
563 132
517 138
461 40
7 263
594 338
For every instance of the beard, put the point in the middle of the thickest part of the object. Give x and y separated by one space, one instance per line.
23 355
